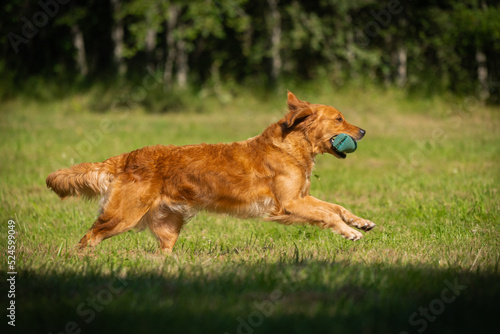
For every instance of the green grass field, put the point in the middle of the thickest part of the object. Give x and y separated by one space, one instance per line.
427 173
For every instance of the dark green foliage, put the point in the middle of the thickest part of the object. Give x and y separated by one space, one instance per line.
420 45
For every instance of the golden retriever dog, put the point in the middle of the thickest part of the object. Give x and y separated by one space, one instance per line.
267 176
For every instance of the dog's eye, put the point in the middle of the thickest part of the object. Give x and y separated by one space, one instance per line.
339 119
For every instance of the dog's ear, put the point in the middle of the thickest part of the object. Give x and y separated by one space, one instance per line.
294 103
295 116
297 111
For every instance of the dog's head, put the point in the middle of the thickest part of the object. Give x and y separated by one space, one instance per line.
319 123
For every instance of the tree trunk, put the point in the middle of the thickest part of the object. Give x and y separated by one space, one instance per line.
401 53
276 62
482 75
150 38
173 15
79 44
150 44
182 63
117 33
482 68
402 56
247 40
388 72
349 34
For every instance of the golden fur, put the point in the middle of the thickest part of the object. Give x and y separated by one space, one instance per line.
266 176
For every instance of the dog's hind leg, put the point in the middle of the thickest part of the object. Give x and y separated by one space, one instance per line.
123 209
166 226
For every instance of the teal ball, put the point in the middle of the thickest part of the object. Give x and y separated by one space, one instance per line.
344 143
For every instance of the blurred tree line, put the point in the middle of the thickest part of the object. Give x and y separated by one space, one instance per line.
432 46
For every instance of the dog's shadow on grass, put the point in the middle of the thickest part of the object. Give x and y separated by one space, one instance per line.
302 297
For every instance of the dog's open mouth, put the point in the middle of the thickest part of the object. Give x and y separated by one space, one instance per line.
342 144
339 154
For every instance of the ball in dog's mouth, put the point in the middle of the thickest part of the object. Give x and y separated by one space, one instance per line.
342 144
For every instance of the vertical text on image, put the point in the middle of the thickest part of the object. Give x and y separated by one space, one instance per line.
11 273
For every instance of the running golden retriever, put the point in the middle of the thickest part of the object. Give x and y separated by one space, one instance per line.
268 176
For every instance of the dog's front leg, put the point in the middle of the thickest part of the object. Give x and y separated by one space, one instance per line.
315 212
351 219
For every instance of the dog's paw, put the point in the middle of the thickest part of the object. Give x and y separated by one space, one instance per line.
351 234
362 224
367 225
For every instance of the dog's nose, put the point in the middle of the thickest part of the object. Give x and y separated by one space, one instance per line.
362 132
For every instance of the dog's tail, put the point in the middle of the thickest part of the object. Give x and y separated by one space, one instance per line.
87 179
